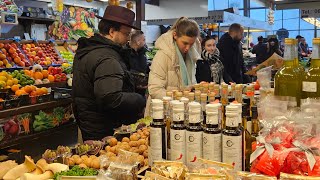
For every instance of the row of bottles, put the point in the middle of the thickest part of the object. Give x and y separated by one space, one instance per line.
192 130
292 80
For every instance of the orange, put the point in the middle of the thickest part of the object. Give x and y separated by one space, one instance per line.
20 92
38 75
27 72
15 88
28 89
51 78
5 62
45 73
44 90
33 87
38 92
33 93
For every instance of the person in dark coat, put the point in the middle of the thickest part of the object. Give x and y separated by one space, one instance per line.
210 68
260 50
231 54
103 89
138 59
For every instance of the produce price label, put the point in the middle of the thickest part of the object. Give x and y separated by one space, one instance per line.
310 13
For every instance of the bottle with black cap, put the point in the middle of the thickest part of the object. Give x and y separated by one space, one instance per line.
232 145
212 137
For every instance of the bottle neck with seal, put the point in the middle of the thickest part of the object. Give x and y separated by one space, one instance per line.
194 117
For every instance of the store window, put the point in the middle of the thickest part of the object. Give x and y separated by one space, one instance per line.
258 14
308 35
218 4
236 3
291 19
277 20
305 25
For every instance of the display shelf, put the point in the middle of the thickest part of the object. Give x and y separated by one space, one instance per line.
36 107
54 84
46 20
22 138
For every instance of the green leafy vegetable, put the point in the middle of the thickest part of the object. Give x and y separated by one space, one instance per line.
42 121
76 171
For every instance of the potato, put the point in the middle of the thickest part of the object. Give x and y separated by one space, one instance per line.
125 143
142 141
139 131
132 149
112 149
79 161
144 137
143 148
137 151
146 162
113 158
113 142
146 133
95 163
93 157
125 139
110 154
83 166
119 143
145 153
134 137
70 162
75 157
87 162
127 147
133 143
140 159
84 157
107 148
102 152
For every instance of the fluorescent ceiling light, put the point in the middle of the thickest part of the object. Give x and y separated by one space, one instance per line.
313 21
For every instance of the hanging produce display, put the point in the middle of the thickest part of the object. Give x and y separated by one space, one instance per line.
74 22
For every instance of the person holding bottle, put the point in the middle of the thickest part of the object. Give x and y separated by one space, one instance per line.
210 68
173 67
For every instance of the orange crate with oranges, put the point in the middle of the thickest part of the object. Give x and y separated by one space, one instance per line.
11 55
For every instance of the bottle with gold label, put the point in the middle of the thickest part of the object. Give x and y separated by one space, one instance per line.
288 81
311 81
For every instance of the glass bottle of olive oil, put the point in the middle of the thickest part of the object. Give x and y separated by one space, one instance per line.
288 81
311 81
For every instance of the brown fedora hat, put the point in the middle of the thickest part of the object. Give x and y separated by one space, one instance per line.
119 14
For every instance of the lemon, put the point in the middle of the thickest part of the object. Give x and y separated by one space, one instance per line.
3 78
2 84
9 82
15 81
8 66
3 73
9 76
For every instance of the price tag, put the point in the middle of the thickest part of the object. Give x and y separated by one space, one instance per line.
309 86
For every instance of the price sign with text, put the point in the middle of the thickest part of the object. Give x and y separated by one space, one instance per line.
310 13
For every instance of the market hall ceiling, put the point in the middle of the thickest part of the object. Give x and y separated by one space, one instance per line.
291 4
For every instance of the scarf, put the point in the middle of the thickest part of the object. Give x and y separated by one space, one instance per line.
216 65
183 68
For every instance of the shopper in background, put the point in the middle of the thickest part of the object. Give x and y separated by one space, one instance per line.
303 48
298 37
138 59
273 47
231 54
173 66
103 90
215 37
260 50
210 68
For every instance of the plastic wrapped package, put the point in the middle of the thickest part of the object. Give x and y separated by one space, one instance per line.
153 176
170 169
123 167
284 176
241 175
203 166
264 77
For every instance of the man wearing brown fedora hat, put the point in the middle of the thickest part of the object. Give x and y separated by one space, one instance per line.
103 90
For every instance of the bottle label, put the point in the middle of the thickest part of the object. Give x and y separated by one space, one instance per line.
212 147
232 151
178 145
193 146
309 86
213 119
156 144
249 126
194 118
178 116
232 121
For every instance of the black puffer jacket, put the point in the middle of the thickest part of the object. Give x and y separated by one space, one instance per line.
103 90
